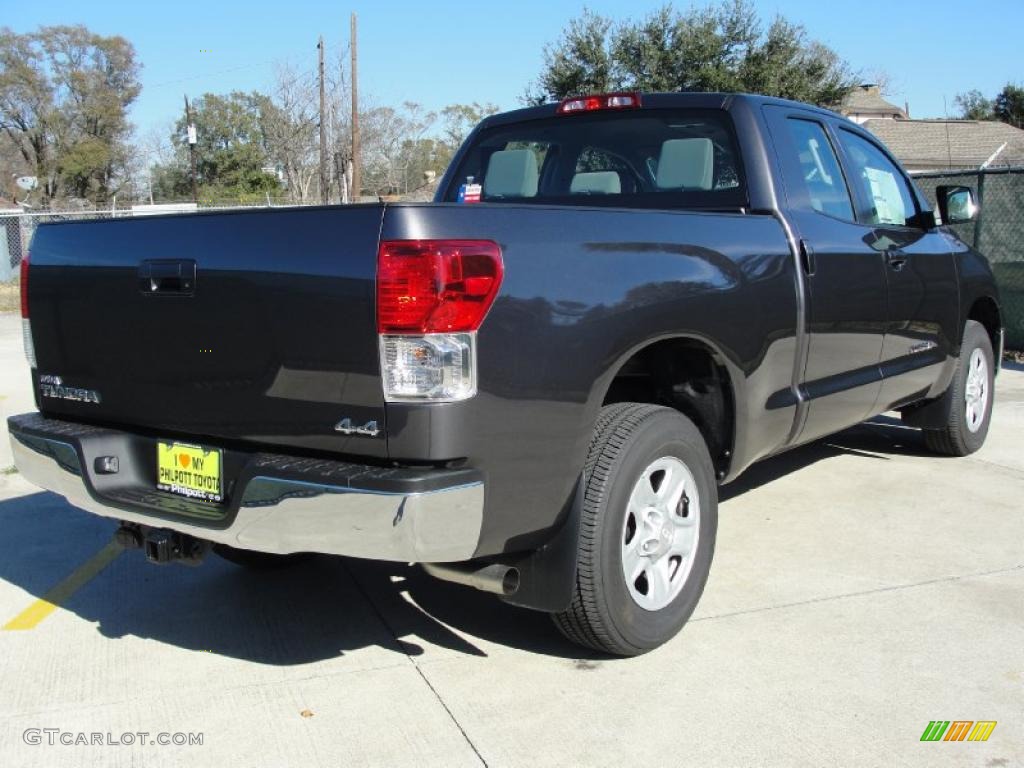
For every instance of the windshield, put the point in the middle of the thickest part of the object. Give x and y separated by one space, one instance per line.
636 159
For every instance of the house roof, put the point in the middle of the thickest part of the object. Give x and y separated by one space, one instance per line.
935 144
867 100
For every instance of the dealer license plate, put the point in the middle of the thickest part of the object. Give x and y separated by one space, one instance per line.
189 470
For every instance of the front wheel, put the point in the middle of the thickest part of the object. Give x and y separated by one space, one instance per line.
972 391
647 530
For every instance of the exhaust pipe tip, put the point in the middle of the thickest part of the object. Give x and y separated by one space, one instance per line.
510 581
494 578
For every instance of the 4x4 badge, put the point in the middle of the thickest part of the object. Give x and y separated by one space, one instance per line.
345 427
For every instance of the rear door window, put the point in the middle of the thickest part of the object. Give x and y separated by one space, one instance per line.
819 167
638 159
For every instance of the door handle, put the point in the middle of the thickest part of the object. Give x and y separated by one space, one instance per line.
896 260
807 257
176 277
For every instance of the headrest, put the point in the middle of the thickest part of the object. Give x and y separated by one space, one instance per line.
686 164
511 173
596 183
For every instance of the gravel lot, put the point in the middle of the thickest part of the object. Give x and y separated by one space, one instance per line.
861 589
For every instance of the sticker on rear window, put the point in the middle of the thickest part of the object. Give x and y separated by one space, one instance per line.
470 192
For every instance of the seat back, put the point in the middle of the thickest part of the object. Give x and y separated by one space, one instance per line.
511 173
596 183
686 164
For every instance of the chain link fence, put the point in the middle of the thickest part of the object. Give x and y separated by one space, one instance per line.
998 232
16 230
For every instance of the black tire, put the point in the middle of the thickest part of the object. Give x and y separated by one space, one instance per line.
603 615
956 438
258 561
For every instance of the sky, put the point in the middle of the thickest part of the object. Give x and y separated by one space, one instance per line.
444 52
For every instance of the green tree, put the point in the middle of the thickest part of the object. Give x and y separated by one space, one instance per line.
1009 105
64 98
580 62
974 106
231 150
722 47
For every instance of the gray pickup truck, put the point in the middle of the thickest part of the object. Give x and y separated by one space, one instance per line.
533 385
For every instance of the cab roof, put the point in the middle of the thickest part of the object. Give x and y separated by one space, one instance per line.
681 100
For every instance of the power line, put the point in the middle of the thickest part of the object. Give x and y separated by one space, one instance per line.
253 65
210 74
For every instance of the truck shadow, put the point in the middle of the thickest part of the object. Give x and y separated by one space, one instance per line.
323 607
879 438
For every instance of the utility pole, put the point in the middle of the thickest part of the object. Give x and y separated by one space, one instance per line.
192 138
324 178
339 174
357 176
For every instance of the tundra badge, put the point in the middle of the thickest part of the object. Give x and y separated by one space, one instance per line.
54 386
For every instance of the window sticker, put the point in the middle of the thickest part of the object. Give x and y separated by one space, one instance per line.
885 193
470 192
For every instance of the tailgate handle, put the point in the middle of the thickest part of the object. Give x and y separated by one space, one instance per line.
168 277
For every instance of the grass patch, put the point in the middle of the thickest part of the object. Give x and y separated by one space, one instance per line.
10 297
9 471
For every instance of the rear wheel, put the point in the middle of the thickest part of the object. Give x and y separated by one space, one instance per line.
972 396
647 530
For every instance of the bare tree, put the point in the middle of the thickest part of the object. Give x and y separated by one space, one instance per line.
289 120
153 149
388 137
339 107
291 127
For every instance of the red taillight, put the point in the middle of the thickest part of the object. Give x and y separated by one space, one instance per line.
24 287
26 324
598 102
436 286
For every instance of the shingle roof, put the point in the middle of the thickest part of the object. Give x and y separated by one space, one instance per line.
866 100
936 144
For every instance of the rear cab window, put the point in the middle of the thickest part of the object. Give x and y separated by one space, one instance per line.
656 158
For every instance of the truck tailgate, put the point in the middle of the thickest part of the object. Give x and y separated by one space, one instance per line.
273 341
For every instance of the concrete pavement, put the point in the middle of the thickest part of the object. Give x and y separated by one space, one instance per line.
861 588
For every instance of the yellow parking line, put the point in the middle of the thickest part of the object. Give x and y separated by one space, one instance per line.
48 603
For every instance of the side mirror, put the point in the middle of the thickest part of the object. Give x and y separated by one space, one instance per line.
956 204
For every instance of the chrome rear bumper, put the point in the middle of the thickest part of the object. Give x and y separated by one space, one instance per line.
278 504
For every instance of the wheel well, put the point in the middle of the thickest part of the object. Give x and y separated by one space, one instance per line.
986 311
686 375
